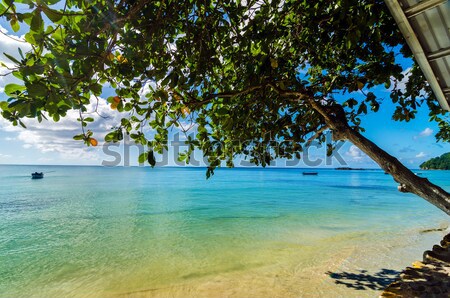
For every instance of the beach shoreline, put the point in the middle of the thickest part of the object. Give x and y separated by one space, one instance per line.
352 271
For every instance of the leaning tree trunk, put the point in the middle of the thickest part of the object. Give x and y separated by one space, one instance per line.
409 182
335 118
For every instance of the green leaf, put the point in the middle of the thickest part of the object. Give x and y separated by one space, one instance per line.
111 137
96 89
222 111
18 75
37 90
143 157
4 105
20 53
30 38
53 15
37 23
78 137
15 25
11 58
2 9
151 158
362 108
209 172
26 18
15 103
12 89
351 102
119 135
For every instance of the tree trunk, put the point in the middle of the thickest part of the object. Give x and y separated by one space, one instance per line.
336 119
409 182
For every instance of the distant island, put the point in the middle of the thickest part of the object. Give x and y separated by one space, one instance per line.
438 163
350 169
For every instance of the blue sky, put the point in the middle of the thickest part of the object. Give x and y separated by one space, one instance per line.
52 143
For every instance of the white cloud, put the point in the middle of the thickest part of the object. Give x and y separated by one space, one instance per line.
421 154
146 89
4 156
401 85
50 136
426 132
355 153
57 137
10 44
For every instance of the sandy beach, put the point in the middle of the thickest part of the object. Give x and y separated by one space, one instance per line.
338 268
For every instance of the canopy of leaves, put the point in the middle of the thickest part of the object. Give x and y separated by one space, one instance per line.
438 163
245 73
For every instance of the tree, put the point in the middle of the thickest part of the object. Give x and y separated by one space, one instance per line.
232 67
438 163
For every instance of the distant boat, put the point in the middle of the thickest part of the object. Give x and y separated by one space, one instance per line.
310 173
37 175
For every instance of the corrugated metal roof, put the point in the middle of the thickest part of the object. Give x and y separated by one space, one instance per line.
426 27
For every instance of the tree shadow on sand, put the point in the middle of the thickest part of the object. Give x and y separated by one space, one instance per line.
365 281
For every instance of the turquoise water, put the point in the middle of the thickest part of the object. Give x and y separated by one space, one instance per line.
93 231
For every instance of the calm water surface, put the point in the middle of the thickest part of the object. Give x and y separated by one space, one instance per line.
96 232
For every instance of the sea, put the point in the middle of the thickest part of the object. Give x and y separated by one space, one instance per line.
86 231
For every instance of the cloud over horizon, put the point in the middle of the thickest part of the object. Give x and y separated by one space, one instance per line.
57 137
424 133
355 154
421 154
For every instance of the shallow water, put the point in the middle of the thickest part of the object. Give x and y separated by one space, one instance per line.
96 232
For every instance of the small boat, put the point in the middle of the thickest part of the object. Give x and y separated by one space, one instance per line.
37 175
310 173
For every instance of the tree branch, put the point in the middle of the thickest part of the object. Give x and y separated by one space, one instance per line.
409 182
335 119
316 135
210 97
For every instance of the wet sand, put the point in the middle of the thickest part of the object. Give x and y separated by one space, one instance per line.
359 266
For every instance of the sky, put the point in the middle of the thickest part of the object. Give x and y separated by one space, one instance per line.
51 143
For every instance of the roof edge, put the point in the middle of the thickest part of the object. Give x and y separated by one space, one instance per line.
417 50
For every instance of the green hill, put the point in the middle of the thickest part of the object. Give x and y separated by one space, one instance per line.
438 163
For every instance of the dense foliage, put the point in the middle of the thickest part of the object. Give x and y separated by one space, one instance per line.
438 163
246 73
